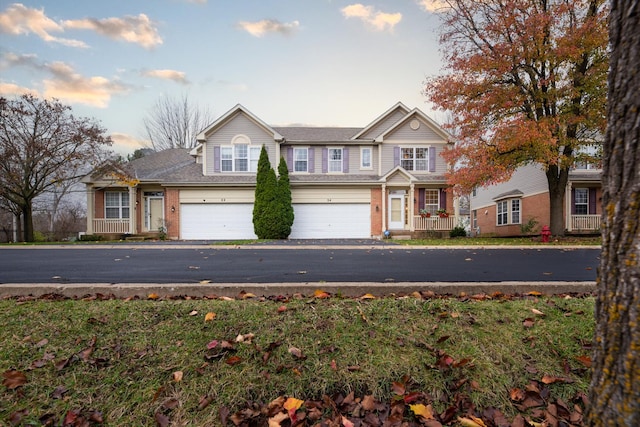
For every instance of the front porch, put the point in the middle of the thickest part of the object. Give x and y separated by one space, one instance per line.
111 226
585 223
434 223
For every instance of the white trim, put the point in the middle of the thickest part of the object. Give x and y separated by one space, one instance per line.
293 160
370 167
329 148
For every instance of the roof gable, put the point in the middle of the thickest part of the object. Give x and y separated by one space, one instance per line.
416 113
230 115
380 120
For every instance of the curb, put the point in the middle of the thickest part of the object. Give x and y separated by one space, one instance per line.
347 289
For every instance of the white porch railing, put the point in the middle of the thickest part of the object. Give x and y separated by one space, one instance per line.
585 222
434 223
116 226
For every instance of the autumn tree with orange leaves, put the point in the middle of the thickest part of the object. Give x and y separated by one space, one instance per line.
525 83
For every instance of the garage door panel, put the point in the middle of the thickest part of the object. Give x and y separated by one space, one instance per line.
335 221
216 221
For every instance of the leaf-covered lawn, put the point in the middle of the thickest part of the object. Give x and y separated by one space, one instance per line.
315 359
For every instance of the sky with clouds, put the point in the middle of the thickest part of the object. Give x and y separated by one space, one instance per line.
311 62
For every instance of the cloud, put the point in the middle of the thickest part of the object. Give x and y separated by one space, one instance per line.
65 83
123 143
176 76
18 19
380 21
260 28
72 87
133 29
433 5
13 89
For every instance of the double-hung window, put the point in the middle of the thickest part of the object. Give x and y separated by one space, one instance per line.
335 159
502 212
581 201
300 159
239 158
509 211
116 205
365 158
415 158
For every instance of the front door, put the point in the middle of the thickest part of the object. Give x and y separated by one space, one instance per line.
396 211
154 213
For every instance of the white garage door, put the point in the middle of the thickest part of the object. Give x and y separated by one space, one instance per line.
216 222
335 221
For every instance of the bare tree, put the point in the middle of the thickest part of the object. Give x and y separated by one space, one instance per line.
41 146
615 384
175 123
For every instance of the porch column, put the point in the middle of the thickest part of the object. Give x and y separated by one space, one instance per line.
133 229
567 207
91 207
413 205
384 208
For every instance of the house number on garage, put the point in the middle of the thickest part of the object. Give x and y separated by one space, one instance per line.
223 200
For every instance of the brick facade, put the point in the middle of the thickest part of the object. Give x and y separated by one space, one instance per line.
376 212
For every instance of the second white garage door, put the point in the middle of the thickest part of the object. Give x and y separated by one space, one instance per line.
216 221
331 221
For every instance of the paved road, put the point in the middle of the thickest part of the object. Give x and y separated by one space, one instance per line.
283 264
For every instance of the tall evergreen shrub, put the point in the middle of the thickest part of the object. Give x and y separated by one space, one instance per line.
285 207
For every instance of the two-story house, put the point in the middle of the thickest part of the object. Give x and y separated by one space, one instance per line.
345 182
520 206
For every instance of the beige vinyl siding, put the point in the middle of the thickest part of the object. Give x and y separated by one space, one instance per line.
240 124
217 196
385 124
330 195
354 159
388 161
422 134
530 179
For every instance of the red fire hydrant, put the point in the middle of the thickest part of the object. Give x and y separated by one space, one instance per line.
546 233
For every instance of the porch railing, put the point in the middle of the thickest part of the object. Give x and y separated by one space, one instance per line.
585 222
434 223
116 226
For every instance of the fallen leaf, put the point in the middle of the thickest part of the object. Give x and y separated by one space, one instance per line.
246 295
233 360
369 403
292 403
13 379
193 267
209 316
585 360
171 403
550 379
423 411
367 296
282 309
537 312
297 353
16 417
212 344
42 343
528 322
177 376
318 293
161 419
193 313
204 402
153 296
535 294
58 392
277 419
346 422
334 365
204 282
471 422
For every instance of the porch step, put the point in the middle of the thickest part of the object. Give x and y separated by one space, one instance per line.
136 238
401 237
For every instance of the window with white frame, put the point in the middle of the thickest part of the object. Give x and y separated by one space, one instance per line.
335 159
365 158
509 212
116 205
414 158
239 158
581 201
431 201
300 159
515 211
502 212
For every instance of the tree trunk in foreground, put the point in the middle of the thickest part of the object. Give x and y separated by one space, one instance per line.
615 385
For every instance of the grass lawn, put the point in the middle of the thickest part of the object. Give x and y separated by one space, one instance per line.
422 359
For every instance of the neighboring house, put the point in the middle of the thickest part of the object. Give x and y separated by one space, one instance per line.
345 182
520 206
